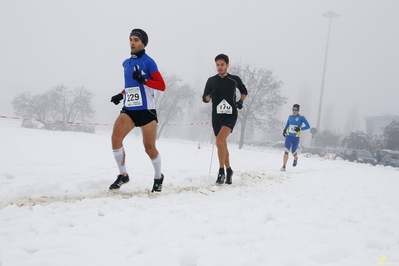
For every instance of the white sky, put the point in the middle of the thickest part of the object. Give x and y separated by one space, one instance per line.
46 43
55 208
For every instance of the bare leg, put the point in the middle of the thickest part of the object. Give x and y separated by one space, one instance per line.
149 137
221 144
227 160
123 125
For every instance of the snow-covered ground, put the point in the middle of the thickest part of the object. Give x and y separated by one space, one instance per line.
55 207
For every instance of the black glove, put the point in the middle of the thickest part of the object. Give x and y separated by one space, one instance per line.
137 76
285 132
214 93
117 98
239 104
297 129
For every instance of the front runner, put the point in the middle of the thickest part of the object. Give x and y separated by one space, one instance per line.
141 79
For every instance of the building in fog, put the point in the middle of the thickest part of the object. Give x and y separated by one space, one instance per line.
375 124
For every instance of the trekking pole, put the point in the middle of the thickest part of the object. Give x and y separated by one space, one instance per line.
213 147
210 165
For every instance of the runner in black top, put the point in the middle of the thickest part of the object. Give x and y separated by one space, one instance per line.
221 88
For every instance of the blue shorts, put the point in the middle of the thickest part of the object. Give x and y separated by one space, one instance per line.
291 143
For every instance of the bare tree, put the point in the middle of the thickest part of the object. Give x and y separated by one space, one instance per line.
56 109
327 138
174 102
263 102
357 140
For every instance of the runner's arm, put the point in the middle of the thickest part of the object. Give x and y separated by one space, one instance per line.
156 82
305 121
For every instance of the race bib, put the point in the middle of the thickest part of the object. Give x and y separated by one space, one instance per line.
133 97
291 129
224 108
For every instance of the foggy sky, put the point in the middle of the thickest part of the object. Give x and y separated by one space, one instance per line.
45 43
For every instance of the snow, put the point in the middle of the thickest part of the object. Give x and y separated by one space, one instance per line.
55 207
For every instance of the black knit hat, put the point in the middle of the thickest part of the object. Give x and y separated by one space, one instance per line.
296 106
141 34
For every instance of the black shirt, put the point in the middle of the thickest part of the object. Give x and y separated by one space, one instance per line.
223 91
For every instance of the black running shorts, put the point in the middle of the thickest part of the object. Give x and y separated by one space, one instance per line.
223 120
141 117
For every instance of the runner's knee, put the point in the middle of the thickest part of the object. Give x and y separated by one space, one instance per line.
150 149
116 139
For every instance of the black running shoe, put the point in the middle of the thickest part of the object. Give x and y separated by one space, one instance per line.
119 182
295 162
282 169
220 179
221 176
229 176
157 187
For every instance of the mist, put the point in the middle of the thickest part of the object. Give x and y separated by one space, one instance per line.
83 43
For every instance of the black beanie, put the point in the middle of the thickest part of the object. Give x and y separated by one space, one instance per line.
296 106
141 34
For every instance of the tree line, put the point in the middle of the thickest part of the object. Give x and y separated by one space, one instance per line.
360 140
57 109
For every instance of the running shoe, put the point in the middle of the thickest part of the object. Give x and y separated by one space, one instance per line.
119 182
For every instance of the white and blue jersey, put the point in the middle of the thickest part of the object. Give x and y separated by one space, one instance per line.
296 121
138 96
292 138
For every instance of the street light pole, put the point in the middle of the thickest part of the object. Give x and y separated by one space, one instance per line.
330 15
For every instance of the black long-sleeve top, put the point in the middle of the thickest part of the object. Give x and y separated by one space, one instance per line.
223 88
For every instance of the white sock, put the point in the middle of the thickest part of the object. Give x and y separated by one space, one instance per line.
120 156
156 162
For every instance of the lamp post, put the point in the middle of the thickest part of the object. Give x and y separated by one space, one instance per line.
330 15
